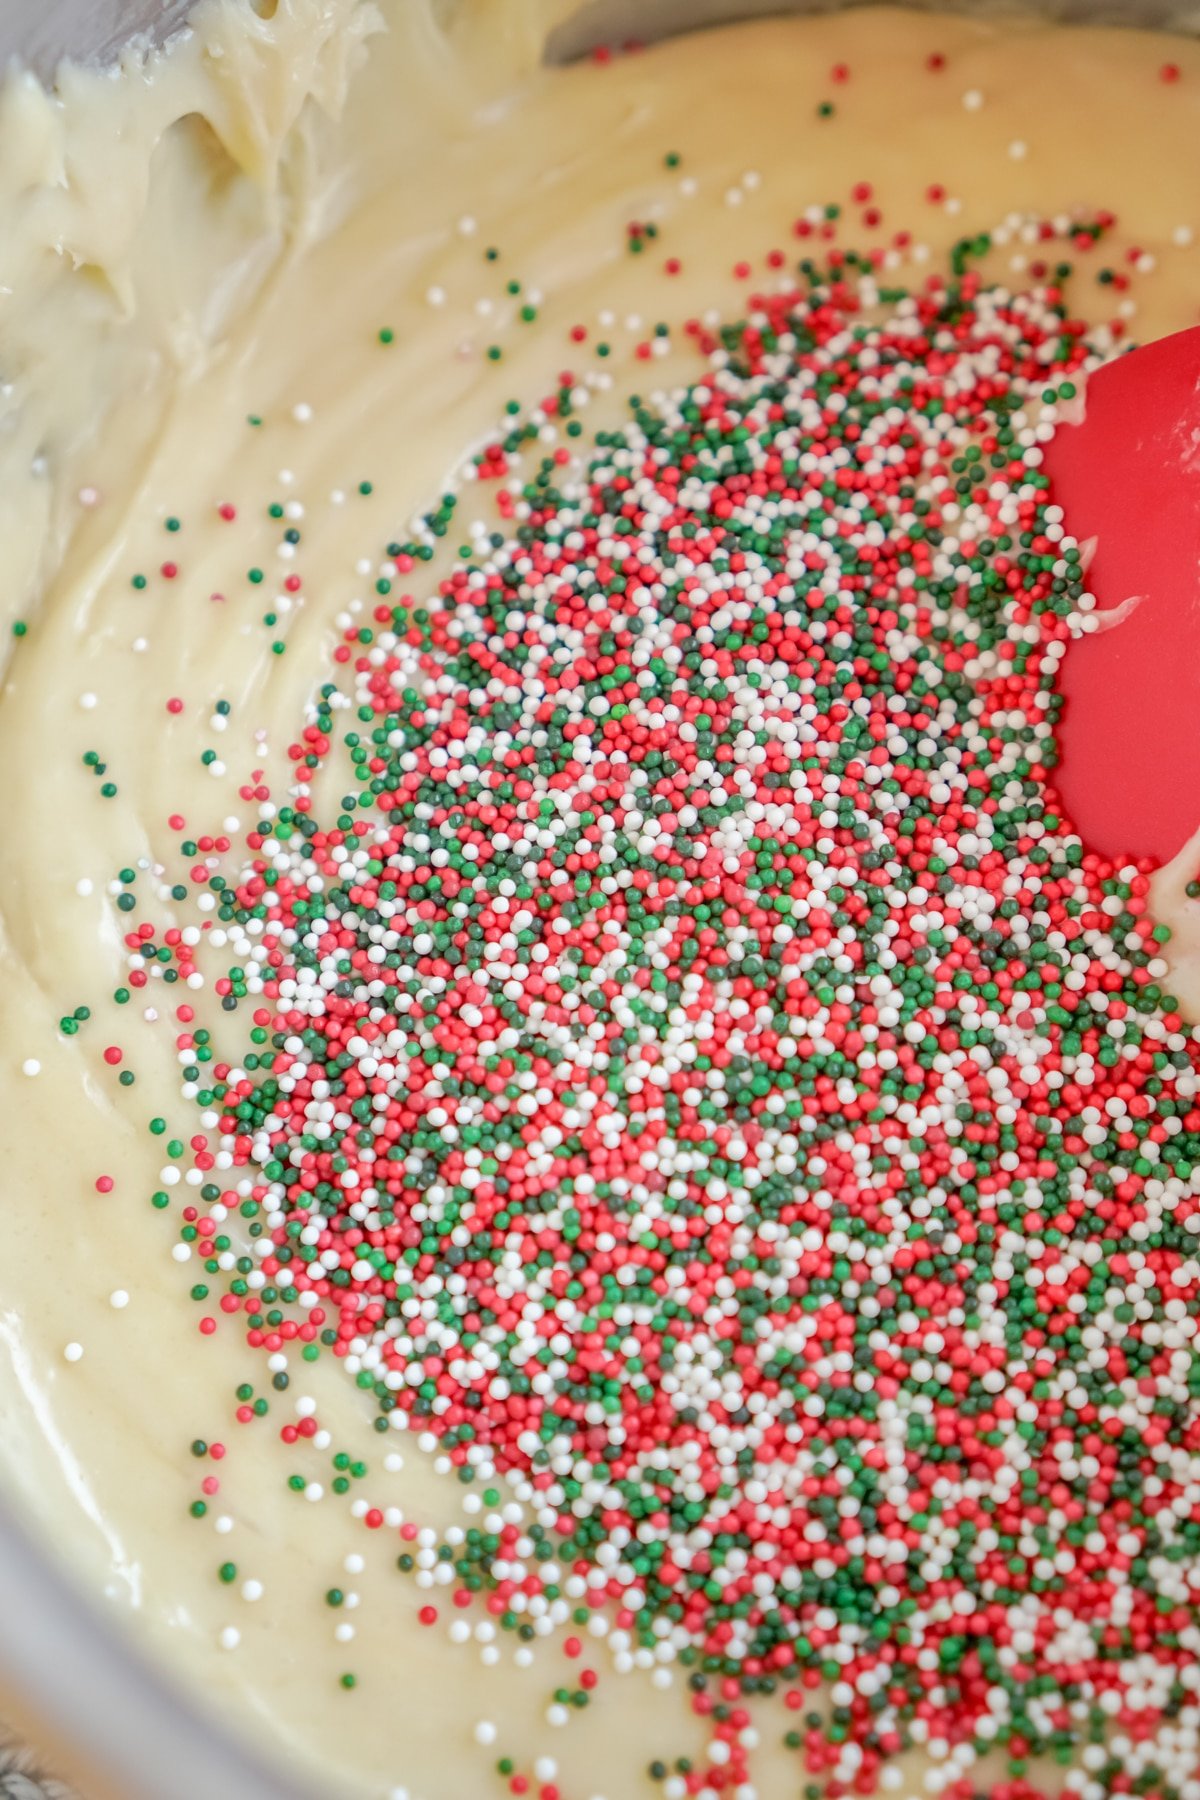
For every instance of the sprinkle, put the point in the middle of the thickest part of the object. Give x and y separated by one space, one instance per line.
707 1092
118 1299
72 1352
972 99
31 1066
230 1637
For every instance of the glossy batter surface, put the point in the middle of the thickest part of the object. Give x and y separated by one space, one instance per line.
239 364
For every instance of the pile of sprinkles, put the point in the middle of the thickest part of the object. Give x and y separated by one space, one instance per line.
695 1077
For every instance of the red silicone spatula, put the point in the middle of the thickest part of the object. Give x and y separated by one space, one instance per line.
1128 476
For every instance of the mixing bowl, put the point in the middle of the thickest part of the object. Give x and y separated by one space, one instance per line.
106 1719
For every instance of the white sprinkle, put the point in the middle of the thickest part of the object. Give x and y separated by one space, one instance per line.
545 1768
84 886
1018 149
252 1590
467 226
72 1352
354 1564
973 99
485 1732
88 496
31 1066
435 296
87 701
1182 235
231 1637
118 1299
302 412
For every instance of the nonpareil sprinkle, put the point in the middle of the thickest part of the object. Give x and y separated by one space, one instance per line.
712 1090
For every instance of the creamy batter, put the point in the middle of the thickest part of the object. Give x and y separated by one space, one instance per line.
223 234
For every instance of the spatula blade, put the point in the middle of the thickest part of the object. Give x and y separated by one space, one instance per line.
1128 475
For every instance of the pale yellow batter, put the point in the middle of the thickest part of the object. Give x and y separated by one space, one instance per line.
196 241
